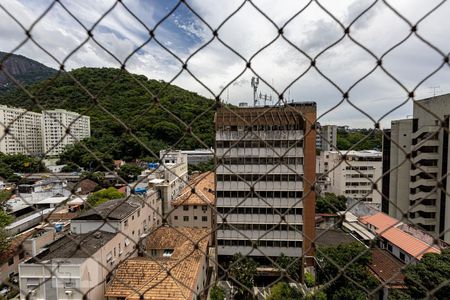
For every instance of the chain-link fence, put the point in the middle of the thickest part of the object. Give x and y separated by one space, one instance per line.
256 220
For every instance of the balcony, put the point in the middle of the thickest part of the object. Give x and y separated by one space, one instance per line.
425 129
260 135
423 195
422 182
425 169
424 208
425 156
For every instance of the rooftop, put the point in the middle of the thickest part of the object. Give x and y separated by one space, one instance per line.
75 246
147 278
199 191
116 209
332 237
387 268
388 228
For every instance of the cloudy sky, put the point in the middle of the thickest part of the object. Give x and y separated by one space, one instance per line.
280 65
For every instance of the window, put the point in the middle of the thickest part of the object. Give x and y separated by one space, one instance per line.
186 218
204 219
154 252
167 252
195 218
11 261
389 246
204 207
185 207
139 213
125 223
402 256
175 217
195 206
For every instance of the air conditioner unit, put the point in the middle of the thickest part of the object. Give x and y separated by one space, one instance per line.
68 293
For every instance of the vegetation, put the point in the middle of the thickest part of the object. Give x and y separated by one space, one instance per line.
351 282
152 123
283 291
5 220
310 281
129 172
4 195
330 203
432 271
102 196
71 167
291 265
359 139
242 272
202 167
18 163
217 293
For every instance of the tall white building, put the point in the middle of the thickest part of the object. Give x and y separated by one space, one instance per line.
326 138
416 160
20 131
265 164
354 175
61 128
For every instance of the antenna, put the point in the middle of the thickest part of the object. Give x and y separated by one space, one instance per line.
434 89
255 83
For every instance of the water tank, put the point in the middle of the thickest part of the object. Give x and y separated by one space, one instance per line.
58 227
243 104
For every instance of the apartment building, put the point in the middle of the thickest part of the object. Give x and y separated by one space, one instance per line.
76 266
20 131
195 207
353 174
172 178
326 138
61 128
417 158
182 251
265 164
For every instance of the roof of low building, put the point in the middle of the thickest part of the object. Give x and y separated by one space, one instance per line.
387 227
75 246
116 209
15 246
148 278
387 268
332 237
199 191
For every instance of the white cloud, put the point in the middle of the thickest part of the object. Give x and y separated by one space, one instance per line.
313 30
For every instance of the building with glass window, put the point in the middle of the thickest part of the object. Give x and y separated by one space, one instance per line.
265 169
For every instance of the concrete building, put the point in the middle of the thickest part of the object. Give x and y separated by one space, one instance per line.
195 209
326 139
67 271
354 176
417 161
265 164
61 128
194 157
172 178
20 131
182 251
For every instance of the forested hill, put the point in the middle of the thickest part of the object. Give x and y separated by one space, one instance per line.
24 70
129 98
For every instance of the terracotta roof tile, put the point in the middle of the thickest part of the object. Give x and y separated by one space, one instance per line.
149 277
387 268
204 185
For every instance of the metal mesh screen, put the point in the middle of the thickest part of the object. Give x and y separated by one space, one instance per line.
252 220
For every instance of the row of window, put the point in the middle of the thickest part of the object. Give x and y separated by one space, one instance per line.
358 183
186 218
261 127
262 161
358 191
261 243
361 168
359 175
260 177
262 227
259 210
260 144
259 194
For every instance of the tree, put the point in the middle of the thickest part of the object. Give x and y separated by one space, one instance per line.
310 281
202 167
290 264
129 172
429 273
104 195
71 167
217 293
5 220
330 203
332 262
283 291
4 196
242 271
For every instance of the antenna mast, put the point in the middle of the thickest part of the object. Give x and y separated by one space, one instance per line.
255 83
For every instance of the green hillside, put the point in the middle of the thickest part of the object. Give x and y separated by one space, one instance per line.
128 98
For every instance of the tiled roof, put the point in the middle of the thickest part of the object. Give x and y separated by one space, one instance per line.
116 209
387 268
15 246
204 191
149 277
386 228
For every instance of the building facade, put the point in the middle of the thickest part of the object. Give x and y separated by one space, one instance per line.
327 137
353 177
265 164
417 166
61 128
20 131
